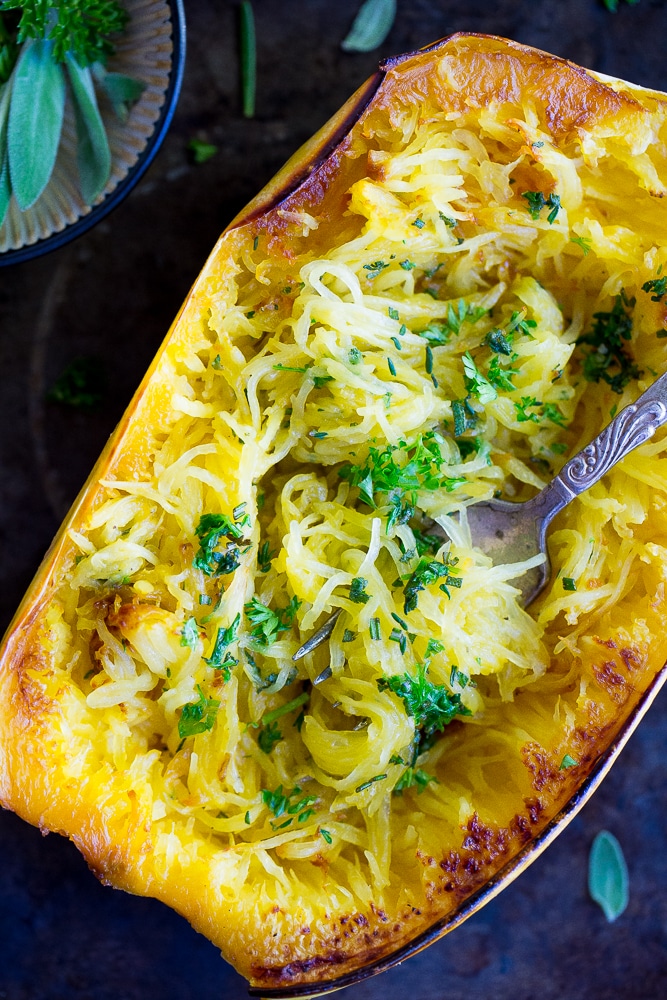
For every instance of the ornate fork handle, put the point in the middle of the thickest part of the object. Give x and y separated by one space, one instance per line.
633 426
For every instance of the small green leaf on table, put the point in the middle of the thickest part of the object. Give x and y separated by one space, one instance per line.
608 875
371 26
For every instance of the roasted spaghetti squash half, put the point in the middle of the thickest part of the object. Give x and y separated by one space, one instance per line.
443 296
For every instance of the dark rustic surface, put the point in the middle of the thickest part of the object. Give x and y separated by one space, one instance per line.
111 296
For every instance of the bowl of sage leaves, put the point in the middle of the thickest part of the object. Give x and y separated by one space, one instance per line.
88 89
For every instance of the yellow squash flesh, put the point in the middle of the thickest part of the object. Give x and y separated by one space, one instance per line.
256 386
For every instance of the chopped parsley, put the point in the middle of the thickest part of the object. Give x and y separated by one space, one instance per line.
582 242
523 408
268 737
190 633
499 342
212 528
609 361
199 716
264 557
658 286
568 761
476 383
354 355
377 267
220 659
397 470
407 265
537 201
414 778
288 804
348 635
551 412
326 836
499 376
427 572
267 623
81 385
569 583
431 706
419 223
358 590
269 719
457 314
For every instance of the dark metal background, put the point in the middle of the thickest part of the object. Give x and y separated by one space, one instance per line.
111 295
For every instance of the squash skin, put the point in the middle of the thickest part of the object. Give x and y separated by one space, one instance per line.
105 815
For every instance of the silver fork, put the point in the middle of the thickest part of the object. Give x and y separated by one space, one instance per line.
513 532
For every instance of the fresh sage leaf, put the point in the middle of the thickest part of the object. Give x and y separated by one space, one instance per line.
5 180
371 26
35 120
93 154
123 91
608 875
248 47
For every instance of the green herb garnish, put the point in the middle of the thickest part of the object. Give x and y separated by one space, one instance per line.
537 201
281 803
658 286
414 778
569 583
190 633
199 716
212 528
610 361
56 47
81 385
267 623
358 590
432 706
567 762
201 151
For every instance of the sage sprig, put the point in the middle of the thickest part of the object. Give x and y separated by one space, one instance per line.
53 47
371 26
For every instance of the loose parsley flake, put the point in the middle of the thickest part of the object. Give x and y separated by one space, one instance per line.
220 659
358 590
658 286
212 528
199 716
414 778
569 583
582 242
567 762
264 557
523 414
537 201
267 623
426 573
377 267
283 803
476 383
190 633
